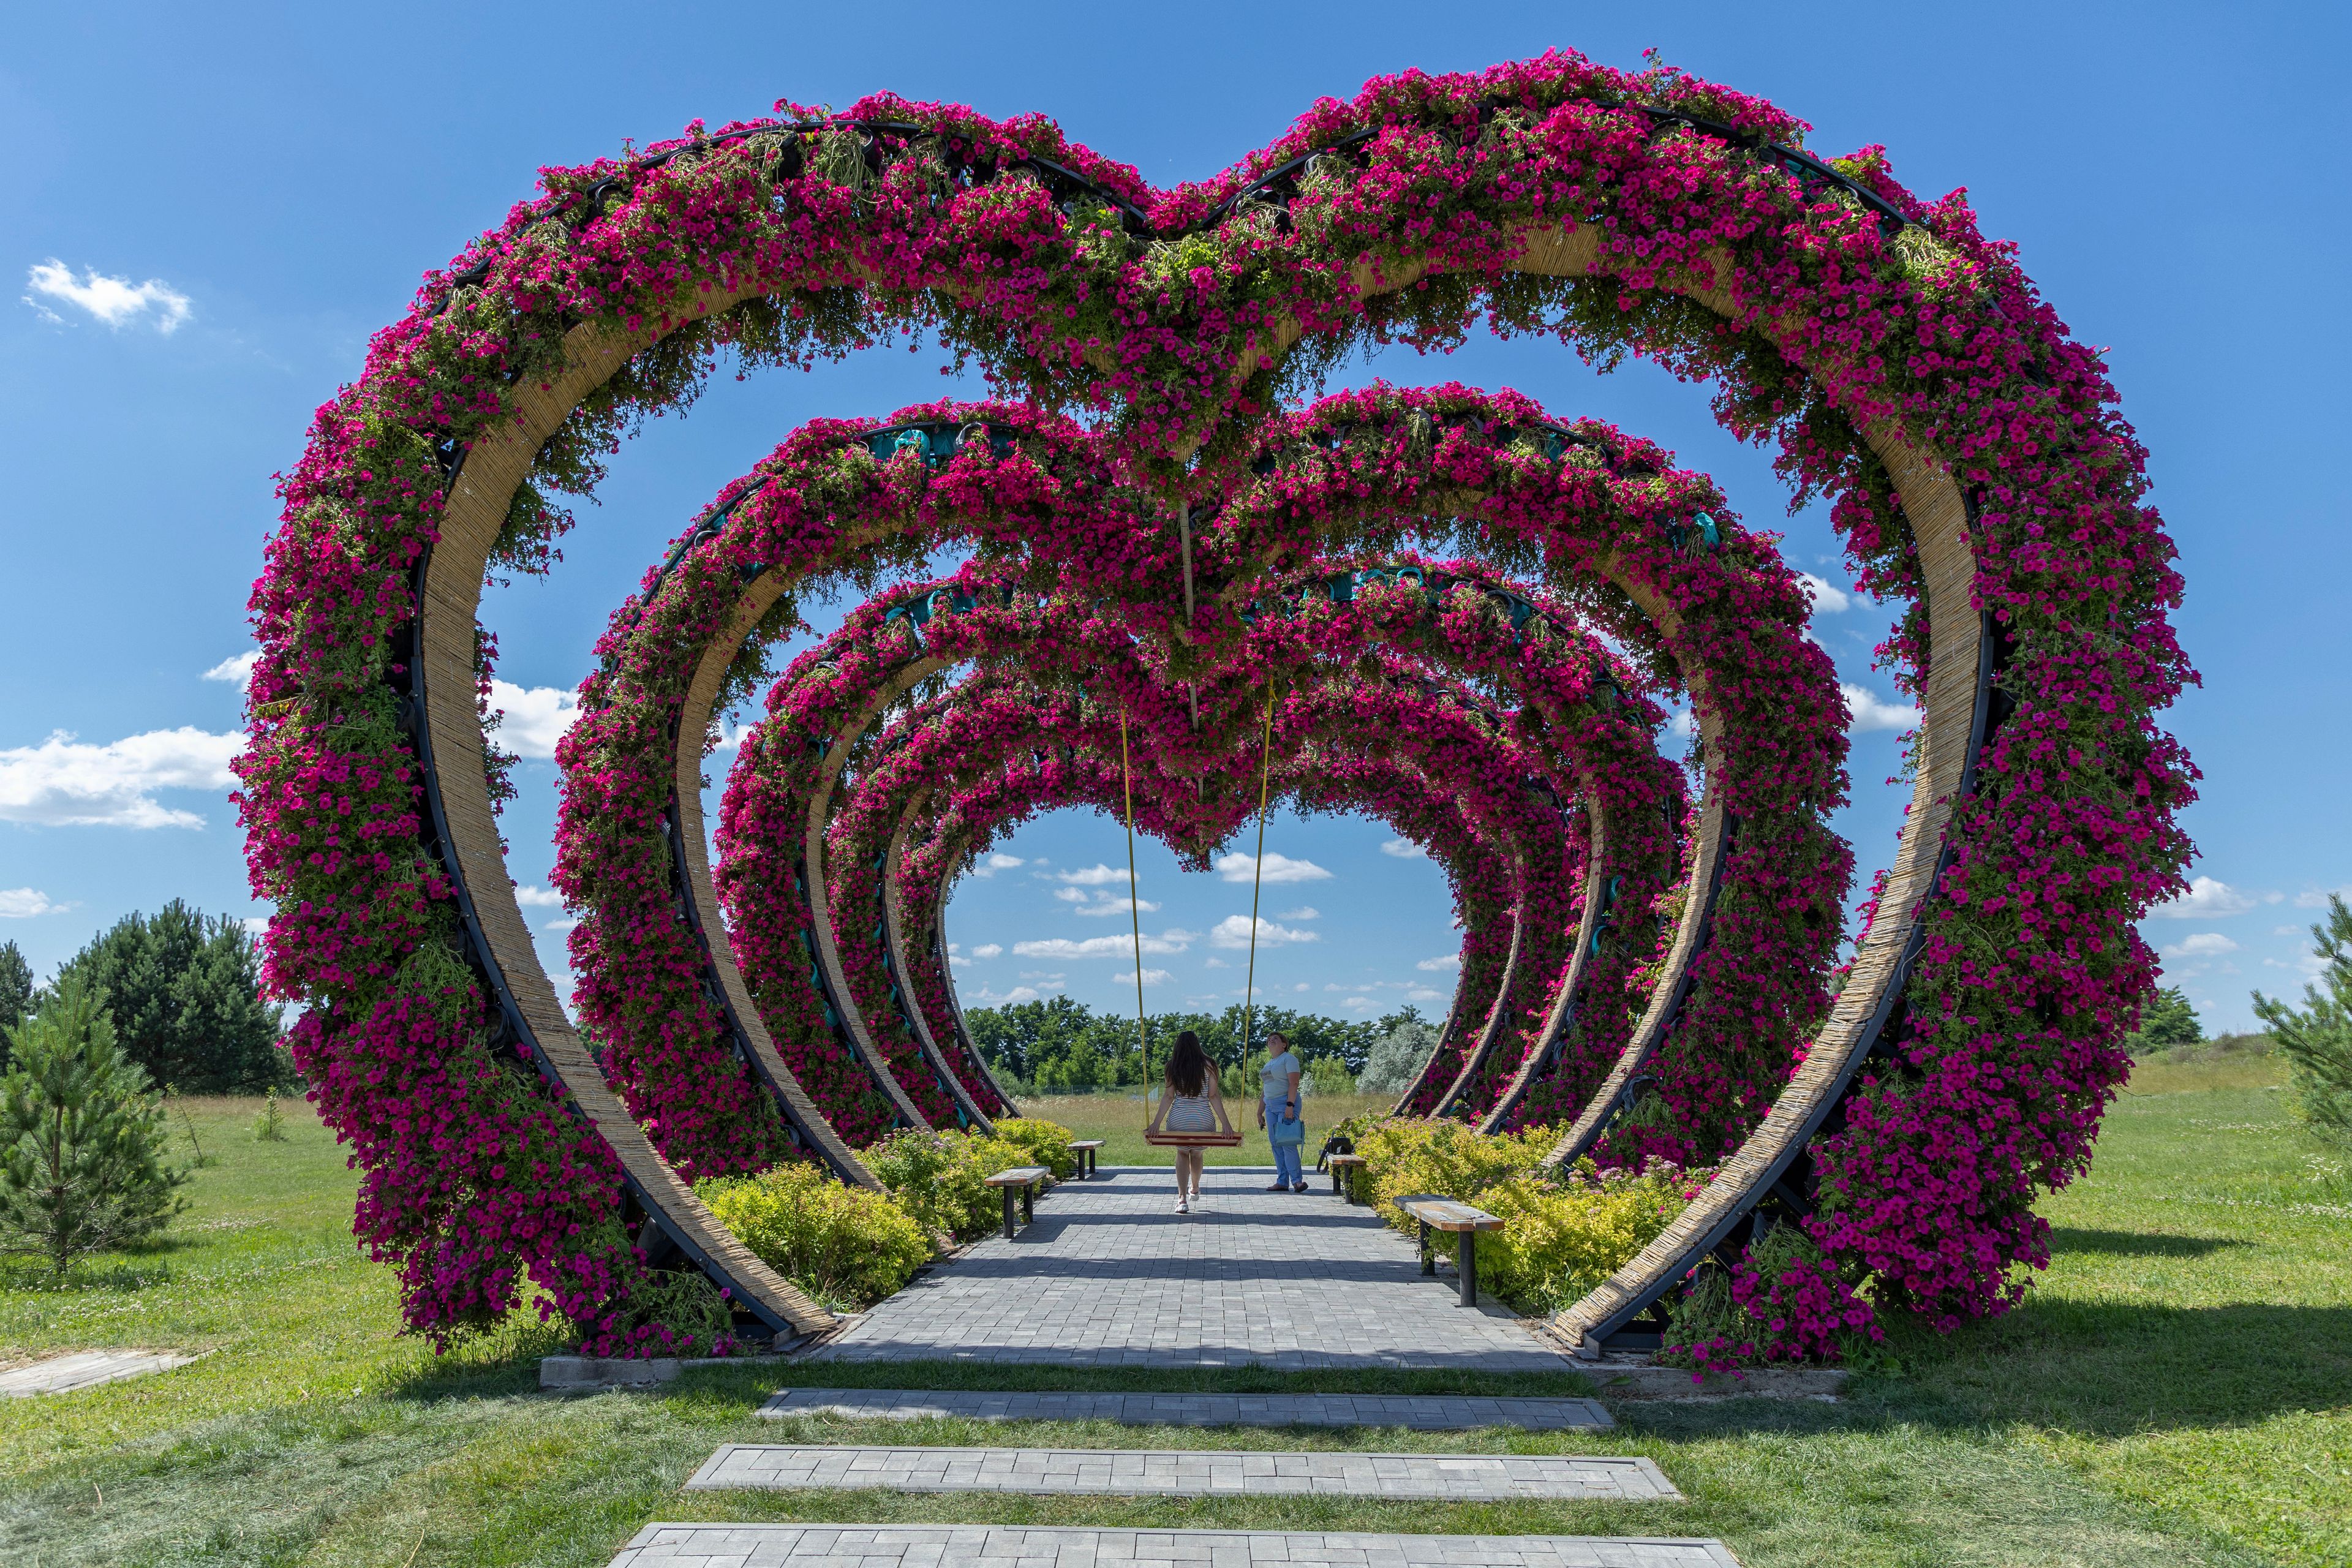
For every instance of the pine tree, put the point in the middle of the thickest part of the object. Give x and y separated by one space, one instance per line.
81 1136
2167 1020
185 993
2318 1040
16 994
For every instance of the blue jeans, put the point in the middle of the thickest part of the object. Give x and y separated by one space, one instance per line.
1285 1156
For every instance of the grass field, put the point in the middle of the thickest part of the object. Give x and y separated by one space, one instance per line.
2178 1391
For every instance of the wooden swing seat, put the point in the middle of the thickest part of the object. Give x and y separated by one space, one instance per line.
1192 1140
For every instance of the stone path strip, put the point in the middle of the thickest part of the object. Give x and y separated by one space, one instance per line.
85 1369
1415 1411
1109 1275
1022 1546
1151 1472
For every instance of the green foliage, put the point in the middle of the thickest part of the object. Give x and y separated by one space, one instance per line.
81 1137
1559 1243
269 1122
846 1246
936 1177
185 993
1561 1238
2167 1021
1056 1046
15 993
1444 1159
1328 1075
2318 1039
1045 1144
1395 1059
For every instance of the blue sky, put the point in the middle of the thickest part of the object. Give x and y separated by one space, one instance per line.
210 208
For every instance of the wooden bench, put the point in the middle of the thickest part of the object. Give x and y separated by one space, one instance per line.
1090 1153
1343 1173
1436 1212
1023 1180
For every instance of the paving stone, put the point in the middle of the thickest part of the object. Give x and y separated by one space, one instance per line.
1415 1411
85 1369
1006 1546
1159 1472
1109 1275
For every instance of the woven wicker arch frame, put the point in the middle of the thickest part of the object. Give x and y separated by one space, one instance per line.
1957 682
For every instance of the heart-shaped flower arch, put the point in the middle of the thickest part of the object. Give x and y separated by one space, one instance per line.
1903 363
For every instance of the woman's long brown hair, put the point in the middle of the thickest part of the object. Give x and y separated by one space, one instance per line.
1188 1065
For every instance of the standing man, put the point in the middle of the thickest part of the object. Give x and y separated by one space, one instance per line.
1280 1113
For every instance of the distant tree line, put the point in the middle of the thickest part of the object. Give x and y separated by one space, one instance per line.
182 992
1056 1044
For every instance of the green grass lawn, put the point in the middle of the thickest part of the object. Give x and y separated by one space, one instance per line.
2178 1391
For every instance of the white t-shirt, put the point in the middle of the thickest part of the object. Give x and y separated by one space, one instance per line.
1273 1079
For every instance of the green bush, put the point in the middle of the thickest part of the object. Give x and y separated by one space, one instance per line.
937 1176
846 1246
1558 1243
1562 1236
1444 1159
1048 1143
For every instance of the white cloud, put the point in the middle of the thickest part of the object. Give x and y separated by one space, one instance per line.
996 863
1828 598
1018 993
1214 963
1117 907
255 924
1276 869
1358 1001
24 904
1680 723
61 782
536 898
1095 876
117 302
2318 900
1302 985
2203 945
536 716
1442 962
2288 930
2207 896
988 949
1303 913
1865 710
1423 994
1233 932
562 925
1042 976
1174 940
238 669
1151 977
1403 850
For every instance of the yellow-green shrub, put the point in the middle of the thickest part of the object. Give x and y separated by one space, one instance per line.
1562 1236
846 1246
1444 1159
1559 1242
1048 1143
936 1177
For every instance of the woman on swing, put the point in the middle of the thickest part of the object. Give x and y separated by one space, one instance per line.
1189 1102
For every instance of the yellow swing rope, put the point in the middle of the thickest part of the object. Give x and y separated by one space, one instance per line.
1134 914
1257 878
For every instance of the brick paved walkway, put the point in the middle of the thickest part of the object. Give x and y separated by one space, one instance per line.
1416 1412
1021 1546
1111 1276
1135 1472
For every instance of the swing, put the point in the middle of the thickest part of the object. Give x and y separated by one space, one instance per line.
1231 1137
